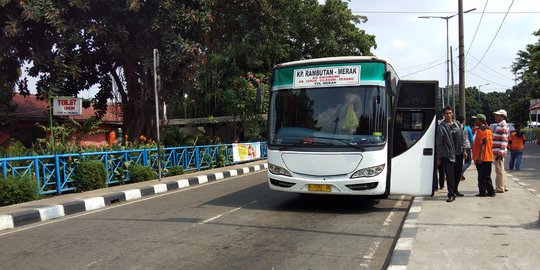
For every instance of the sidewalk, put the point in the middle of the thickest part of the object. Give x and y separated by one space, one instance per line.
501 232
17 215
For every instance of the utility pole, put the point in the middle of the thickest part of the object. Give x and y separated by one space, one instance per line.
156 86
461 60
446 18
453 86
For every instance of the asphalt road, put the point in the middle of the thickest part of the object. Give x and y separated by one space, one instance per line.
530 167
236 223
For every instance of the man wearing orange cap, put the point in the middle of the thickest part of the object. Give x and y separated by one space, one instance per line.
500 143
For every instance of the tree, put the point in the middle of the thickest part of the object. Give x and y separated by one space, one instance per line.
207 49
527 65
74 45
247 38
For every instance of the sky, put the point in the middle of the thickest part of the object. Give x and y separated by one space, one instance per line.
416 47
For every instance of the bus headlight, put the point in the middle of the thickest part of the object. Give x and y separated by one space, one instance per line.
278 170
368 172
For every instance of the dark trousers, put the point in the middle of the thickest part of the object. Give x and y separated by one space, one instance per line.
458 171
448 167
440 171
485 185
468 160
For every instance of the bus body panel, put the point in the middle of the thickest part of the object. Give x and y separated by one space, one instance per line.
315 146
338 179
414 125
321 164
412 171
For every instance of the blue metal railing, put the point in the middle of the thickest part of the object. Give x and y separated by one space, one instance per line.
55 174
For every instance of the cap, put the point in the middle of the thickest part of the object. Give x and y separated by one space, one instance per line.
501 112
479 116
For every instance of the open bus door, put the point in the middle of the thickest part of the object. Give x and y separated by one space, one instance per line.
413 145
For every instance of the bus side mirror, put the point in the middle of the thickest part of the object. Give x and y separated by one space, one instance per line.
391 84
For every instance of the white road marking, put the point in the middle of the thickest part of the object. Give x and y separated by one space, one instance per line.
375 245
7 219
223 214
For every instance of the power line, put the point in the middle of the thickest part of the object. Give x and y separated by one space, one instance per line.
496 33
425 64
442 12
477 27
430 67
493 70
502 85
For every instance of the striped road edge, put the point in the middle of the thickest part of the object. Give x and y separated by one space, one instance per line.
27 217
402 250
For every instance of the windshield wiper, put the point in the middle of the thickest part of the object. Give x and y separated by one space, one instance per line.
336 139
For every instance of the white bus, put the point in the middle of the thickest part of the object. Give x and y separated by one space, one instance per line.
347 125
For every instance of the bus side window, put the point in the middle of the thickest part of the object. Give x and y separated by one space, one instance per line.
408 130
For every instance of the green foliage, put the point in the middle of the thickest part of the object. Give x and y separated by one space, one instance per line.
140 173
16 189
15 149
90 175
174 137
209 50
176 170
90 126
537 133
222 156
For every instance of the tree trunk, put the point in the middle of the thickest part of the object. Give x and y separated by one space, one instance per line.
139 112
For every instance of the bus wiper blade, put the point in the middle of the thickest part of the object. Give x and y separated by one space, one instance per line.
350 144
339 140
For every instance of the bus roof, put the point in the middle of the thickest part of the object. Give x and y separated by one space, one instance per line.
331 60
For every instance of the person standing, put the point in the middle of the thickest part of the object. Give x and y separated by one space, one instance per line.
516 141
468 139
448 145
500 143
482 154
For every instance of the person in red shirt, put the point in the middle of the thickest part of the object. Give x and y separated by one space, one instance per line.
482 151
516 141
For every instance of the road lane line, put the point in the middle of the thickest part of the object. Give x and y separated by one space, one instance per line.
372 249
7 221
223 214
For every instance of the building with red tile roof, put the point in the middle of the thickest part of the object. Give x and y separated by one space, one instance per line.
31 110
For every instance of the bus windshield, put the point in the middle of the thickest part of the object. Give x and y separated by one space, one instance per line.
333 116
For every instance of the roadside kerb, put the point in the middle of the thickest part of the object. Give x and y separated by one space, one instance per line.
39 214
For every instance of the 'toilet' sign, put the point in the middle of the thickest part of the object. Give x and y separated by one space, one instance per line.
67 106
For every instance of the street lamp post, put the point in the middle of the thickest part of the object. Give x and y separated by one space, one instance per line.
479 89
185 104
446 18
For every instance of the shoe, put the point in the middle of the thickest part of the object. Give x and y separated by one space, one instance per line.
505 190
480 195
491 195
459 194
451 199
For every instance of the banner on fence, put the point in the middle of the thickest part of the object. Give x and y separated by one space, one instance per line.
67 106
246 151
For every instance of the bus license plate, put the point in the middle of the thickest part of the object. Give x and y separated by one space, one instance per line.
318 187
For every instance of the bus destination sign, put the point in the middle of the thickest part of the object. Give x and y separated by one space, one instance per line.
332 76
